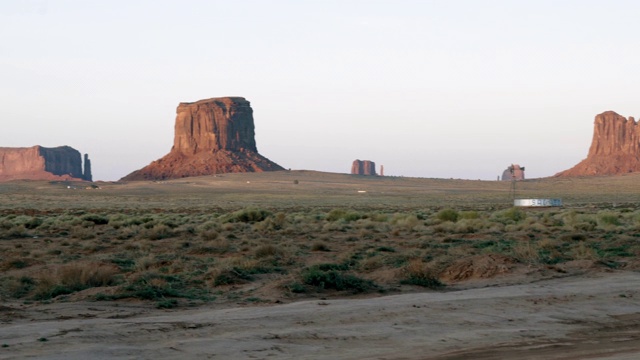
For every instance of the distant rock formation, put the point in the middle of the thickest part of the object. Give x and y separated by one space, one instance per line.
41 163
363 167
513 172
87 168
615 148
212 136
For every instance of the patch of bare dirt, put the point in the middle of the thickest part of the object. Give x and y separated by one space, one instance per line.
478 267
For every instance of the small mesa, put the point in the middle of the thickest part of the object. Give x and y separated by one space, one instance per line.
363 167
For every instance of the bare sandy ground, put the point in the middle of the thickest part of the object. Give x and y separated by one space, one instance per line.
590 316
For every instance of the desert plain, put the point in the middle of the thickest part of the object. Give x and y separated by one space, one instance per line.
304 264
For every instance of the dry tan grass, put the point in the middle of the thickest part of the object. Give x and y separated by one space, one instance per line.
191 238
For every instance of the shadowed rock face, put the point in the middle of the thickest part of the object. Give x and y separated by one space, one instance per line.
615 148
87 168
41 163
363 167
212 136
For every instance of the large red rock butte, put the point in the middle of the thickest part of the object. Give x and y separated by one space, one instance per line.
41 163
212 136
363 167
615 148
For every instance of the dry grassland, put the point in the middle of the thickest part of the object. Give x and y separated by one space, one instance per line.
282 236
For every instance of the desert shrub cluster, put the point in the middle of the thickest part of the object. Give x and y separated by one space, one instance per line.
187 257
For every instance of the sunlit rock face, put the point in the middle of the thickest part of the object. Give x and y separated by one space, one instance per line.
212 136
615 148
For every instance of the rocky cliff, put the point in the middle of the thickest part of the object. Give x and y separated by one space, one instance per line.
615 148
212 136
363 167
41 163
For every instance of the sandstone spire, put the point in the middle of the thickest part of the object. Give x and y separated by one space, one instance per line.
87 169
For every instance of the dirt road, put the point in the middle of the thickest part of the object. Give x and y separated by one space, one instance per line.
593 316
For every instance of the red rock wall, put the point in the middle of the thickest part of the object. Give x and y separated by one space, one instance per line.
214 124
15 161
614 135
615 147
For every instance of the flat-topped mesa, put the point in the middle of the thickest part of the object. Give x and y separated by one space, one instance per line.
41 163
363 167
212 136
214 124
615 148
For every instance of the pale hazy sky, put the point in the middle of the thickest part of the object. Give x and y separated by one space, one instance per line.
446 89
